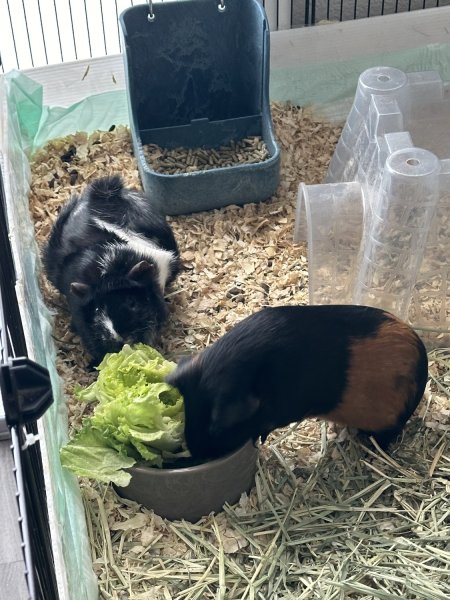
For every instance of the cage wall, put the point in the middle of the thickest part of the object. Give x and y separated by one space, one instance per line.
79 85
40 32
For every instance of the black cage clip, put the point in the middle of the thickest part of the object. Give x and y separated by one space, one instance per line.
25 389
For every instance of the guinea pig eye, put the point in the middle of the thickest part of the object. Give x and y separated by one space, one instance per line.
133 304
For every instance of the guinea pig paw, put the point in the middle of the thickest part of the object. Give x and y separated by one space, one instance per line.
92 365
345 434
337 432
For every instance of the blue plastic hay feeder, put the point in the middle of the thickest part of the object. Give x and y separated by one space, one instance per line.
198 76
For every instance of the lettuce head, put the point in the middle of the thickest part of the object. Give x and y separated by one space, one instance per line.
138 417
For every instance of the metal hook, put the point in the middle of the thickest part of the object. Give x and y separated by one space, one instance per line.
151 14
221 6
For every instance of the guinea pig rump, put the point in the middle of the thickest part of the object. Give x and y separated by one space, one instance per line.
106 189
358 366
386 379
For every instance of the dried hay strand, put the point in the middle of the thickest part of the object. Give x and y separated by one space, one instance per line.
355 523
328 517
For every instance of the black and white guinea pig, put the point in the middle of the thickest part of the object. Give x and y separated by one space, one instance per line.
354 365
111 253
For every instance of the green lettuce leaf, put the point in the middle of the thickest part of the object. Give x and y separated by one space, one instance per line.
138 417
88 455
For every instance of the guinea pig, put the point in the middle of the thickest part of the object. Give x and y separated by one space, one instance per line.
354 365
112 253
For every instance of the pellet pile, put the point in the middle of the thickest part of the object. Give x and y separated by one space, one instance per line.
248 151
320 497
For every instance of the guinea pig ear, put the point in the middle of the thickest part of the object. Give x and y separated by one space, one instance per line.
187 372
81 290
228 413
142 272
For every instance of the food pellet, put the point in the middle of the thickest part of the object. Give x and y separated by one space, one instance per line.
249 150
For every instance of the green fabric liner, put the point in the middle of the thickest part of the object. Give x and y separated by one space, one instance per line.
329 87
99 111
23 122
39 123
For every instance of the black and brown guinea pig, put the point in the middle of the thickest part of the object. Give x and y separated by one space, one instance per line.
354 365
112 253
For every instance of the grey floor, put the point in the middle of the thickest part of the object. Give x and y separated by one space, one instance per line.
12 567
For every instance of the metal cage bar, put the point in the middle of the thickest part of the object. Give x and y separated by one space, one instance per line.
33 522
77 29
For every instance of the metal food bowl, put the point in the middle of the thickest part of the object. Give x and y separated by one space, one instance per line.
193 492
197 75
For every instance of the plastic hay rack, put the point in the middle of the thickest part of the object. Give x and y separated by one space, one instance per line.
197 76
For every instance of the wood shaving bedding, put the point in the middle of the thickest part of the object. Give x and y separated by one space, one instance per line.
290 537
236 259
